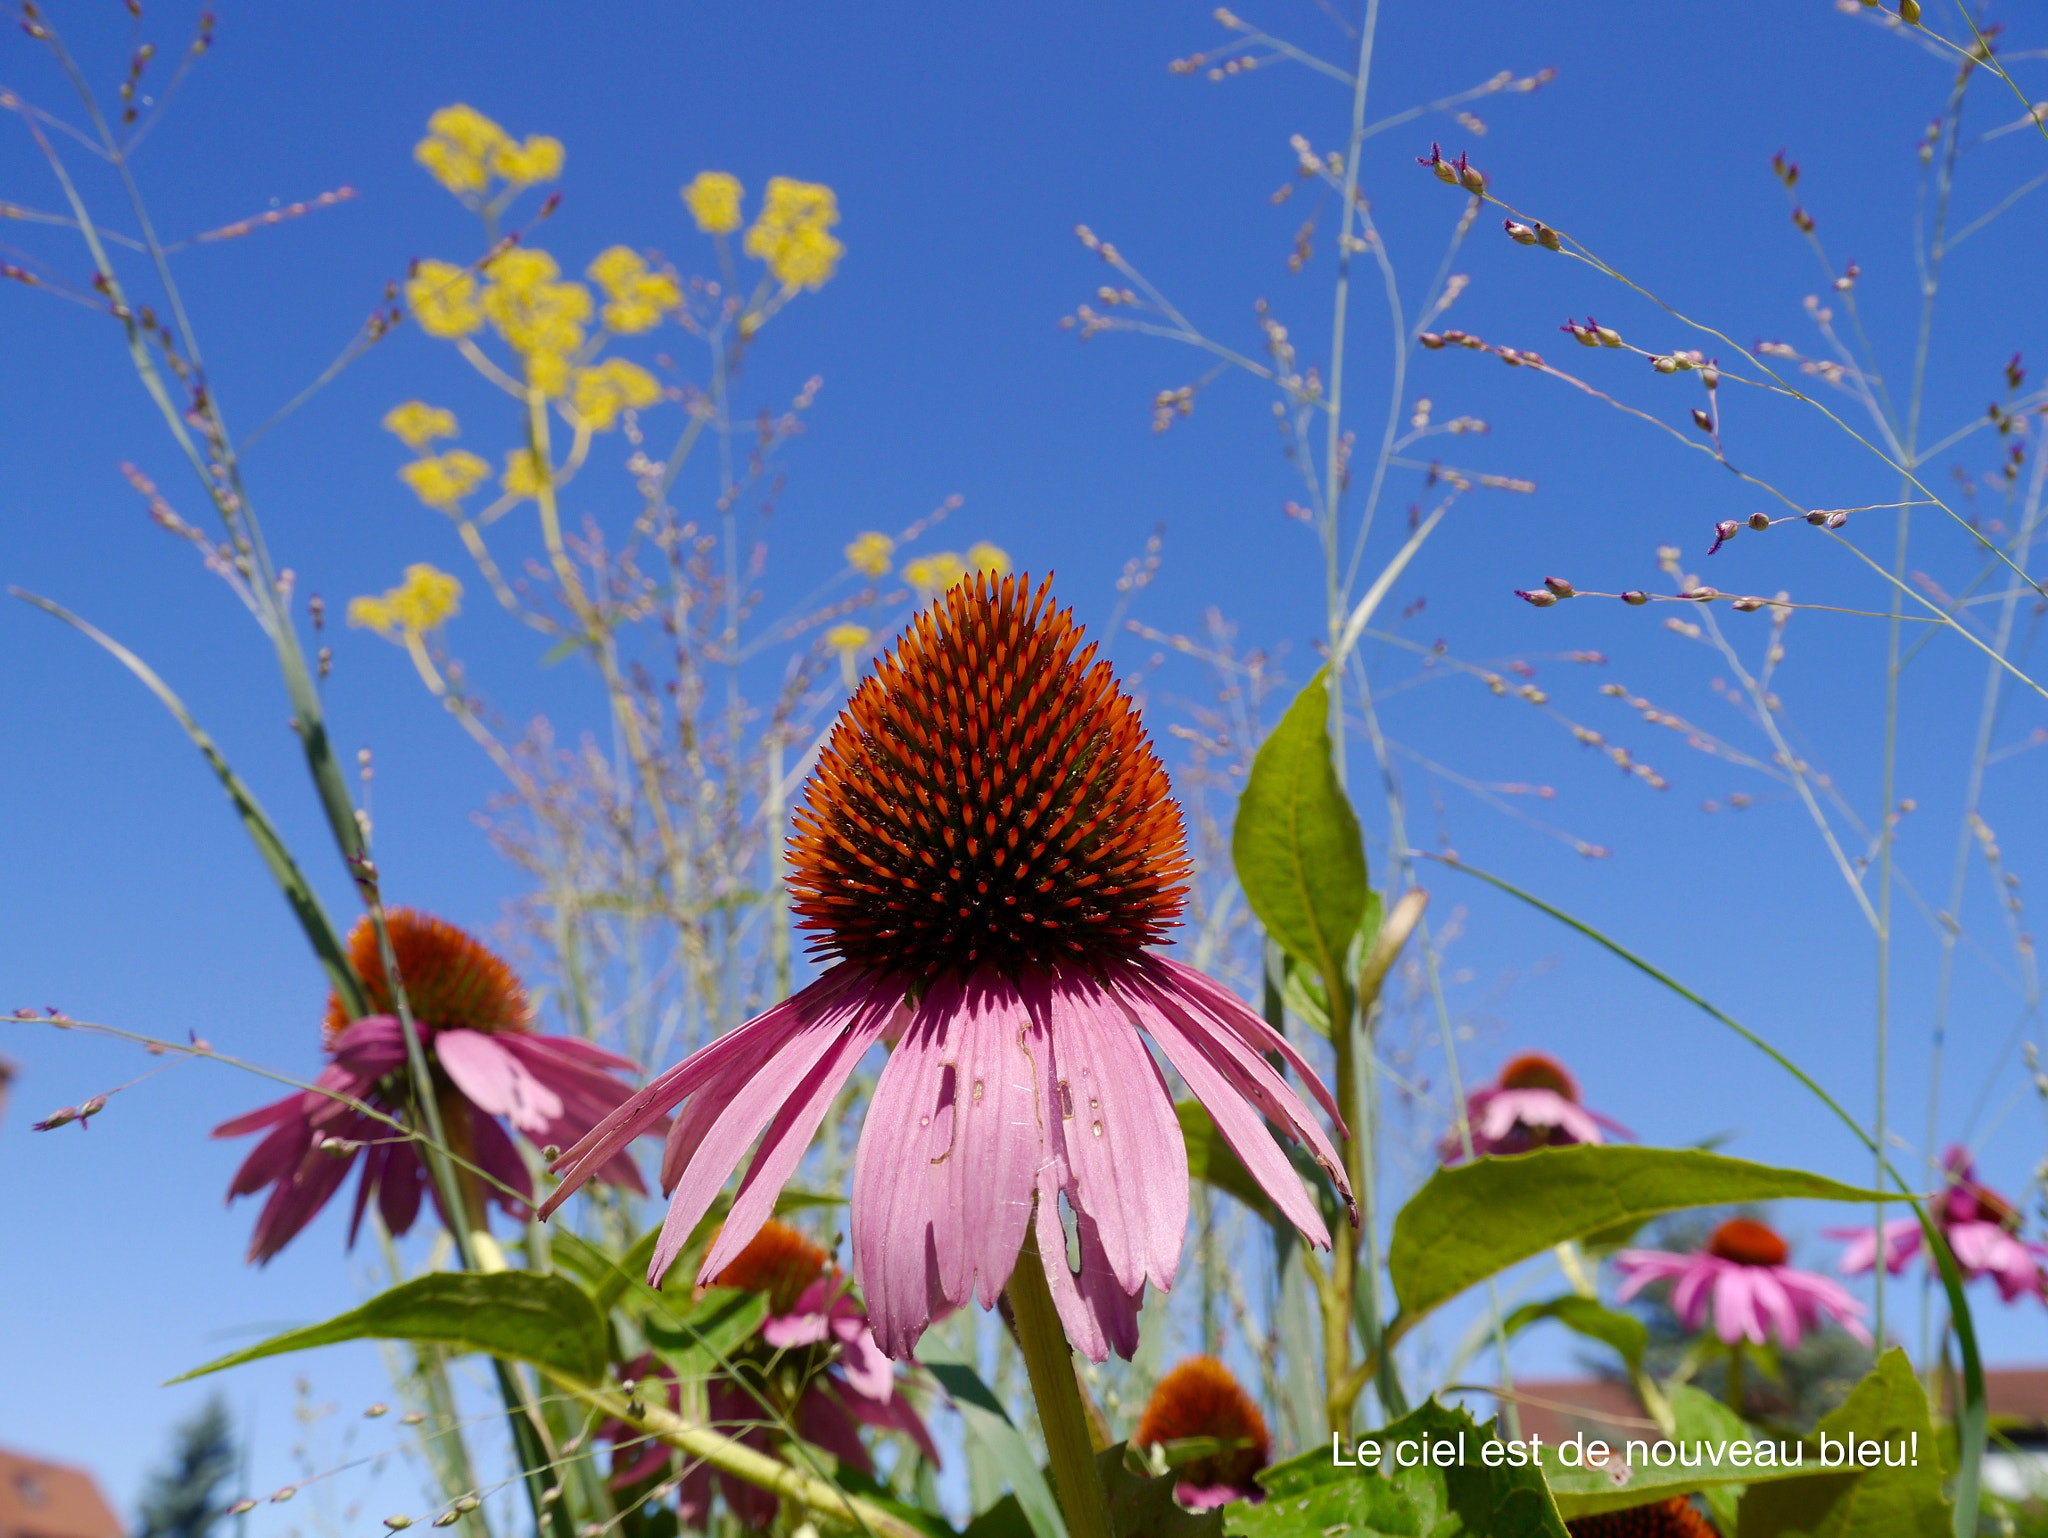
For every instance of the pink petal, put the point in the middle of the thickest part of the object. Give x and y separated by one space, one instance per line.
275 1157
492 1151
1249 1072
1123 1141
740 1120
1693 1292
1775 1305
895 1255
695 1119
1735 1314
1239 1126
263 1116
790 1134
1098 1315
370 1047
755 1042
1251 1028
893 1414
496 1080
400 1186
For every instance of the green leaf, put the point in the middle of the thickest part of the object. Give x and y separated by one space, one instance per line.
708 1332
1472 1220
1315 1494
1210 1159
997 1446
630 1269
1699 1416
284 870
514 1315
1585 1316
1889 1408
1141 1505
1296 844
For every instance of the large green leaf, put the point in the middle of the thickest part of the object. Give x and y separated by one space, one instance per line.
1141 1505
709 1331
995 1443
1585 1316
1296 844
1889 1408
1314 1494
1701 1459
514 1315
1472 1220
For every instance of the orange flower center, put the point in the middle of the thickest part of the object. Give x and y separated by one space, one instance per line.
988 796
1673 1518
1200 1398
1748 1243
452 980
1539 1070
778 1261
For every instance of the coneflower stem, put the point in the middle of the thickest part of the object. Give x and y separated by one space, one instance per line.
1735 1377
1050 1361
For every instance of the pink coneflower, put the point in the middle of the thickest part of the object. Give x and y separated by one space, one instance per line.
475 1024
1533 1104
816 1338
989 847
1742 1273
1202 1398
1981 1226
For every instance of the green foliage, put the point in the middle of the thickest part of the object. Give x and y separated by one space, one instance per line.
1210 1159
1584 1316
183 1496
1888 1407
1470 1221
1141 1504
1313 1494
1296 844
514 1315
995 1443
709 1331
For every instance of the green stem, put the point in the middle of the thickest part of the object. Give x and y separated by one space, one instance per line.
1050 1361
1735 1365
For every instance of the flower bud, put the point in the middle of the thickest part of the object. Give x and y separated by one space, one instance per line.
467 1503
1702 421
398 1522
375 1410
244 1504
1547 238
1541 598
1817 516
1704 594
1561 587
1746 605
1520 234
1510 357
1664 365
1470 179
1580 334
1836 520
1724 531
1759 521
1710 377
1909 12
1609 337
1431 340
1635 597
448 1519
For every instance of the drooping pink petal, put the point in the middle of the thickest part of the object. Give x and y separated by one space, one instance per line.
1987 1249
1251 1028
868 1372
895 1413
373 1171
1639 1268
1123 1140
988 1127
895 1254
369 1048
263 1116
1244 1068
1735 1315
1774 1304
496 1080
790 1133
1238 1124
756 1041
272 1159
1902 1239
1817 1295
494 1154
825 1419
296 1198
695 1119
400 1187
749 1109
1099 1317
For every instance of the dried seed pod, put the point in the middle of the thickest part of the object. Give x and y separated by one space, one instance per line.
1759 521
1635 597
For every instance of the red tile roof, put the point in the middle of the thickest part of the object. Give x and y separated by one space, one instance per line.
51 1500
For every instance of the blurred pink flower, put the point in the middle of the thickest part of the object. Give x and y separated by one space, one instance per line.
989 846
1980 1225
815 1335
1742 1273
472 1018
1533 1104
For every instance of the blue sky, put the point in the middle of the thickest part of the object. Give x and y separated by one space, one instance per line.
964 144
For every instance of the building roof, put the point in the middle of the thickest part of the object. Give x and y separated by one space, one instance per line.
39 1499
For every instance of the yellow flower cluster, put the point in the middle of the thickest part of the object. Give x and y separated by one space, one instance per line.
638 298
869 555
791 235
443 480
426 600
537 316
937 572
848 638
522 474
416 424
611 387
442 298
464 150
714 201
